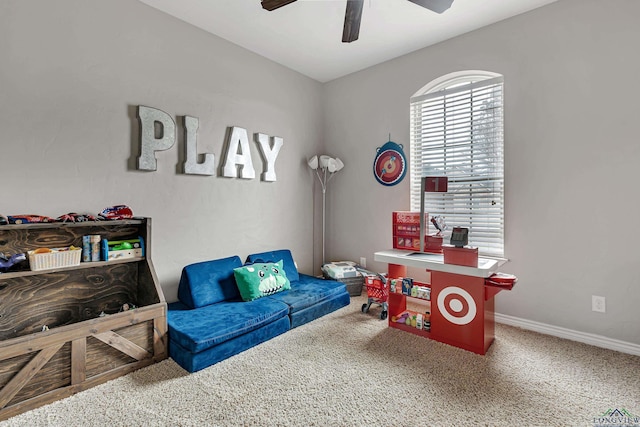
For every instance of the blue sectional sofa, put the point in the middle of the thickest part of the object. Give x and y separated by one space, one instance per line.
210 322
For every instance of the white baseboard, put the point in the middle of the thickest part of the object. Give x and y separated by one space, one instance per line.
556 331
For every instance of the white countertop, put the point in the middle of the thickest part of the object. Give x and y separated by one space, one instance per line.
486 266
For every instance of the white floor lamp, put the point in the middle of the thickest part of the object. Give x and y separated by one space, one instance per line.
325 167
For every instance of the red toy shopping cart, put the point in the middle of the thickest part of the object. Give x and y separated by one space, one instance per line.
377 293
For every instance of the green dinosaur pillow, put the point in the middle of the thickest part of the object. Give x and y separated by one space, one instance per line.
260 279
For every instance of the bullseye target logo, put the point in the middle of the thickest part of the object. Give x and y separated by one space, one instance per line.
456 305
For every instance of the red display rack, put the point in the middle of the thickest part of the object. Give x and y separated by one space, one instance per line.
406 233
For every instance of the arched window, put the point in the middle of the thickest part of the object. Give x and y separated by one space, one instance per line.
457 131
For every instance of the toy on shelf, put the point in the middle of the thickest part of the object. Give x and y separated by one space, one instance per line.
116 212
75 217
416 303
7 262
122 249
28 219
415 320
402 318
110 213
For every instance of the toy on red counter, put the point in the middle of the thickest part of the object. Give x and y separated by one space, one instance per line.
28 219
402 318
439 223
501 279
116 212
74 217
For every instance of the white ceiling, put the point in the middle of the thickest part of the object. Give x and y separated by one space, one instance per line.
306 36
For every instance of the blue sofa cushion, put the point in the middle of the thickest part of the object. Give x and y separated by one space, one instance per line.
209 282
274 256
198 330
308 291
316 311
193 362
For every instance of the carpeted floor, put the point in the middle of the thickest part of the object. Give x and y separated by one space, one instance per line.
349 369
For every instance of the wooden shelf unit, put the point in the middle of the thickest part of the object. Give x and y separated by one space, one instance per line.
80 349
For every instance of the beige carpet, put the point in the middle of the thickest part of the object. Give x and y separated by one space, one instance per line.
349 369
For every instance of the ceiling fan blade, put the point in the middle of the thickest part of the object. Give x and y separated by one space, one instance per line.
352 18
438 6
274 4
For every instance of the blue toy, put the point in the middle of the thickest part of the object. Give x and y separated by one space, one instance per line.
6 263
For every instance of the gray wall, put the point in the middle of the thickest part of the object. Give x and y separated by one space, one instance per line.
572 154
73 71
72 74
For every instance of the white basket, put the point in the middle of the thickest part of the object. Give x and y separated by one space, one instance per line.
59 258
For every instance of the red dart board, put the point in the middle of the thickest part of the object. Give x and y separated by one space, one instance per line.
390 164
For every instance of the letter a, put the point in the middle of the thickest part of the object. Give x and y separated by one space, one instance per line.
238 140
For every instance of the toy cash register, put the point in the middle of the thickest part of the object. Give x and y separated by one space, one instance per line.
457 252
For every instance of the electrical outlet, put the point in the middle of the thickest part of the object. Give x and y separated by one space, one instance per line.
363 262
598 304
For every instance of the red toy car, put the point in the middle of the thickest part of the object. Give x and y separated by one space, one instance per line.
116 212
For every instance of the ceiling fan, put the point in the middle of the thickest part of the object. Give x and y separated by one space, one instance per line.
353 13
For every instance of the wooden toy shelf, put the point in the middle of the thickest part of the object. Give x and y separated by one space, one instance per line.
53 340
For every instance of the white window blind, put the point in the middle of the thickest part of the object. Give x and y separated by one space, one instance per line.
458 132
